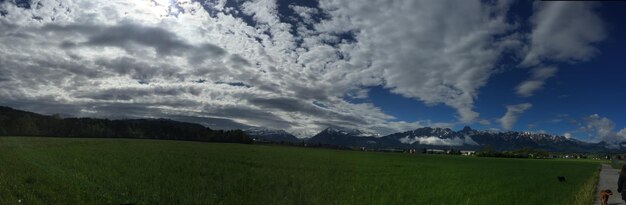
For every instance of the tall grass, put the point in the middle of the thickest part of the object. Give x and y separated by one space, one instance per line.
587 192
115 171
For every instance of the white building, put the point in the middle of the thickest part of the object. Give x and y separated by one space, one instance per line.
435 151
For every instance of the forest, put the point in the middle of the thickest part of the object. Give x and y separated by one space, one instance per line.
21 123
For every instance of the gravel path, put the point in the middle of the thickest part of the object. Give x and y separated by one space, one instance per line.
608 180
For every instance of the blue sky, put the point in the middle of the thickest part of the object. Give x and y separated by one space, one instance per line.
302 66
578 90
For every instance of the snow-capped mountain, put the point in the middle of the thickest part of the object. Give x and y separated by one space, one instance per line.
428 136
516 140
340 137
271 135
467 138
354 132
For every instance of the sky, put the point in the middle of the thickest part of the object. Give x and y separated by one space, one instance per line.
301 66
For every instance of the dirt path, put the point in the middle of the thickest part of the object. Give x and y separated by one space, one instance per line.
608 180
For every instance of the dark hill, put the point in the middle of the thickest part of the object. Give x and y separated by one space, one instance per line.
21 123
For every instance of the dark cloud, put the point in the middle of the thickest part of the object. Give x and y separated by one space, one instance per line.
300 106
67 44
237 84
310 93
125 110
213 123
285 104
258 117
163 41
138 69
127 35
45 71
132 93
238 60
7 27
205 51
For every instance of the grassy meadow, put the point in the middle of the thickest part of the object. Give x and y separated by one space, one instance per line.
116 171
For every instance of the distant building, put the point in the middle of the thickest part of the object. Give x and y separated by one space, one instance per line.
391 150
435 151
468 152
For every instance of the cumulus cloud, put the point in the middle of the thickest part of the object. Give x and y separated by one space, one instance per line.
602 126
602 129
536 81
622 132
435 52
567 135
564 31
307 13
512 112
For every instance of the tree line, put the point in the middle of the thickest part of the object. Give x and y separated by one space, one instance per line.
20 123
489 151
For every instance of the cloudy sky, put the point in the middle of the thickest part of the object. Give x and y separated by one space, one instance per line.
382 66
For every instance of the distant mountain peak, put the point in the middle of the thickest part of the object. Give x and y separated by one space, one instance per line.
467 129
352 132
332 129
271 134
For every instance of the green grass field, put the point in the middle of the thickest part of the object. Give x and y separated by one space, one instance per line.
114 171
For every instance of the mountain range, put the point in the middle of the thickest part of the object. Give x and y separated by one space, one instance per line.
271 135
442 138
22 123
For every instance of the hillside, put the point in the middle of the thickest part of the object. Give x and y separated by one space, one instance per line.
21 123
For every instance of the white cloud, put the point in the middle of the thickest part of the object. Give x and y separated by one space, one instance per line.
622 133
536 81
435 52
512 112
432 140
469 141
602 129
567 135
564 31
306 13
602 126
